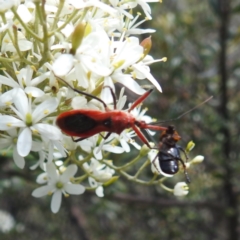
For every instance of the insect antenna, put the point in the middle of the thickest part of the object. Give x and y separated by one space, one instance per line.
83 93
174 119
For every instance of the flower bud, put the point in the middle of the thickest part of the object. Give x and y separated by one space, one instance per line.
77 37
111 181
180 189
147 45
197 159
190 146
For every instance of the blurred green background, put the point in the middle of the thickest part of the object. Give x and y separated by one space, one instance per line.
201 41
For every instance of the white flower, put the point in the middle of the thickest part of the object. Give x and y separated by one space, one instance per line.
121 56
141 70
106 146
101 174
29 120
180 189
58 184
131 27
25 81
9 141
88 59
145 6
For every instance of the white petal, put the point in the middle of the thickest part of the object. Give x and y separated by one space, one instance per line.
106 95
97 154
180 189
5 142
24 13
42 178
67 30
62 151
99 191
24 142
5 5
48 131
52 172
140 31
44 109
63 64
113 149
136 145
7 98
92 182
8 81
146 71
8 122
41 191
121 103
6 26
50 8
19 161
81 75
24 45
68 173
36 146
97 67
75 189
104 7
79 102
21 102
56 201
125 145
128 82
35 92
12 132
40 78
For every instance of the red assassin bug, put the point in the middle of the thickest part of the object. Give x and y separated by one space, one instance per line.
169 154
85 123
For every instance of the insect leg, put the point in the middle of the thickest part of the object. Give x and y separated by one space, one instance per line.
140 99
184 152
154 164
141 135
113 96
79 139
107 136
184 169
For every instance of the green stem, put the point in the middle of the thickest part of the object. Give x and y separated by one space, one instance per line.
35 36
144 165
131 162
166 188
42 17
75 12
56 18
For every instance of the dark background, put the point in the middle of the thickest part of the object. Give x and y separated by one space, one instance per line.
201 41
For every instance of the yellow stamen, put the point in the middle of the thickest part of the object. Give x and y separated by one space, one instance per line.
46 111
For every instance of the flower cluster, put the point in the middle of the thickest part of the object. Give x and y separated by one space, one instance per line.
47 47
